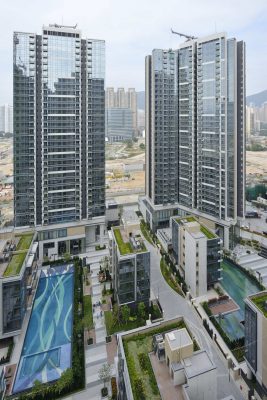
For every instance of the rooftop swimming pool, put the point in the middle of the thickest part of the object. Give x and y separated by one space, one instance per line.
238 285
46 351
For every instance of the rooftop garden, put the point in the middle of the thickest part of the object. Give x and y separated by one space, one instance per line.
203 229
260 301
126 247
188 218
125 319
137 348
24 241
15 264
207 232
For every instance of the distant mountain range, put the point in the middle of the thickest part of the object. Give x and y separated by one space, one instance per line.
257 99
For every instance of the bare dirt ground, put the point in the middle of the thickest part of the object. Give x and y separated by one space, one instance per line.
6 170
256 162
121 161
6 157
124 170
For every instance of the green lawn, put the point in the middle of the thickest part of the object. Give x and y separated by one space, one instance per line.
15 264
167 276
260 302
111 328
207 232
25 242
88 314
188 218
124 247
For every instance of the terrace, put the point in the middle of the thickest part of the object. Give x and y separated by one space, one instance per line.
150 378
188 219
260 301
13 253
128 244
24 241
15 264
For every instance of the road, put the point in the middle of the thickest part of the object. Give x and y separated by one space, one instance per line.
175 305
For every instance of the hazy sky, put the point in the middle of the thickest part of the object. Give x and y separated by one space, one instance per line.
133 28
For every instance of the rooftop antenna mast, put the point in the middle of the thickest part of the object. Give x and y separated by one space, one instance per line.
188 37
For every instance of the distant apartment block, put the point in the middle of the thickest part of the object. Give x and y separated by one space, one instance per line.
6 118
195 133
123 99
255 341
59 132
130 262
119 124
18 272
197 251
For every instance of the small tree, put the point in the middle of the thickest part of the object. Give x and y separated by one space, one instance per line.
104 292
125 313
129 143
141 310
105 373
67 257
37 386
65 381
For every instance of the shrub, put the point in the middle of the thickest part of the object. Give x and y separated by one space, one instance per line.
104 392
143 361
139 388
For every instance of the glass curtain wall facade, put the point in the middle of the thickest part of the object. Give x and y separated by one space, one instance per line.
59 133
162 141
14 304
197 161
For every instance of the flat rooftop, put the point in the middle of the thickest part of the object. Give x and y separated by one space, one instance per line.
198 364
178 338
128 244
13 253
260 301
190 221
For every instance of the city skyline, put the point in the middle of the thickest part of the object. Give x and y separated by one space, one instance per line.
128 43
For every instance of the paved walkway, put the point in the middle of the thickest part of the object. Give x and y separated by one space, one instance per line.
96 354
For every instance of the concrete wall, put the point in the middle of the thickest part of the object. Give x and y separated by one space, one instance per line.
175 356
179 377
196 275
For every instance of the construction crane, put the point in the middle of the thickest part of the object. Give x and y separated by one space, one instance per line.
188 37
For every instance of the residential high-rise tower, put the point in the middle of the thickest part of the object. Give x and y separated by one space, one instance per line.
59 127
195 133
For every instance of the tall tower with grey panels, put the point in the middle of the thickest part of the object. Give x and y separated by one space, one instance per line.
195 131
59 127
